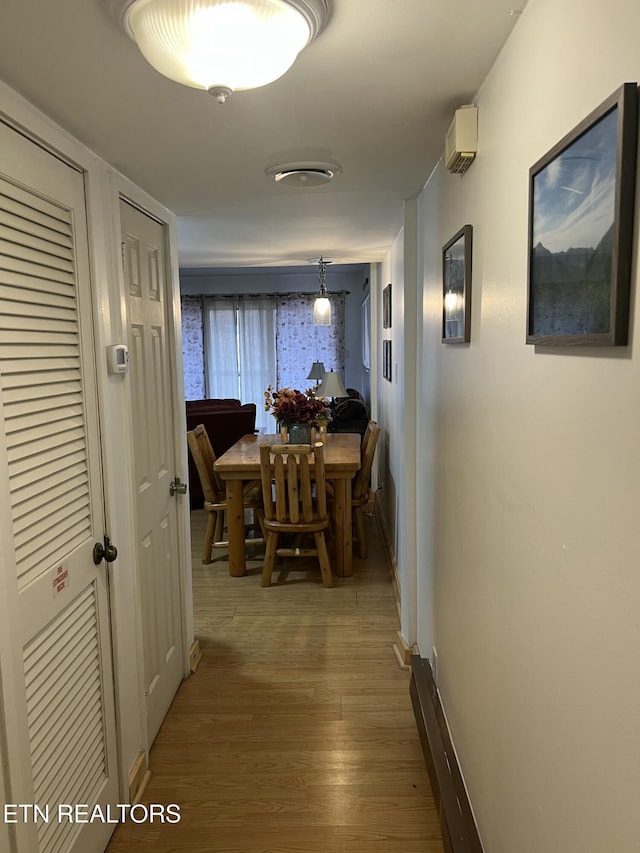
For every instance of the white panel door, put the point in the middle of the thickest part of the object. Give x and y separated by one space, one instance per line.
154 459
55 645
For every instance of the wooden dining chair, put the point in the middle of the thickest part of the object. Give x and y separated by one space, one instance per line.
372 426
362 495
295 502
215 499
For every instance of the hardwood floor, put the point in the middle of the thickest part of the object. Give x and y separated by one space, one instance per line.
296 733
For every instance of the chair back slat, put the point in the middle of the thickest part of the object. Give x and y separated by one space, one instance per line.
265 475
293 492
305 496
321 491
281 490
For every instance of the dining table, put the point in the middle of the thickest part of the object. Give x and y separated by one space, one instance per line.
241 464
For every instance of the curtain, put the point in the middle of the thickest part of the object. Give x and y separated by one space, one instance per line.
221 349
257 344
240 342
192 347
299 343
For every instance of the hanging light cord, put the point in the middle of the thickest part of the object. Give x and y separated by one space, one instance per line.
321 277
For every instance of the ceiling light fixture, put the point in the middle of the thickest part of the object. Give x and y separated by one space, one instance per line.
322 306
222 46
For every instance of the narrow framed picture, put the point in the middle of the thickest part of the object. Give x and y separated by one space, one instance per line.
386 360
581 200
456 287
386 307
365 315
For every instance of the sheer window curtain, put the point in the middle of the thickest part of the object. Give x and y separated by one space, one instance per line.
222 369
257 345
240 350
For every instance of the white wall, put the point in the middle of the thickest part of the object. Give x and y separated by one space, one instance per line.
390 414
531 476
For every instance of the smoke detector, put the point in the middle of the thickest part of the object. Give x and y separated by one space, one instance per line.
304 174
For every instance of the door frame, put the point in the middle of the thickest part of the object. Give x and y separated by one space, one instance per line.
103 188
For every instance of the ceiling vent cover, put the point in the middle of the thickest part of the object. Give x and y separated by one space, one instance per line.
304 174
461 139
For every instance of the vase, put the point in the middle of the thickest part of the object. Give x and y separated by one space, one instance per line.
299 434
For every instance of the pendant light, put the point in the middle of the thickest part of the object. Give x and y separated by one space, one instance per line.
221 46
322 306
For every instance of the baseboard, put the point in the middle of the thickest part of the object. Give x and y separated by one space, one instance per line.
391 558
138 778
459 830
195 656
401 649
404 652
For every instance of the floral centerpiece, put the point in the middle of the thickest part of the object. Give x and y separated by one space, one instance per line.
291 407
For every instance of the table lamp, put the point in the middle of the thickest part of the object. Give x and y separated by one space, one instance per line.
317 373
331 386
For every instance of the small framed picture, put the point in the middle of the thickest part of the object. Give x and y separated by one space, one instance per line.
581 200
386 307
456 287
386 360
365 313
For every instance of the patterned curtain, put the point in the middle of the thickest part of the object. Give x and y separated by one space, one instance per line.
299 343
192 347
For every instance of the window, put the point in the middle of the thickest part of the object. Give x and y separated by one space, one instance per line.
242 344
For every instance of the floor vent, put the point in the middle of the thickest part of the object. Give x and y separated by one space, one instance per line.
459 831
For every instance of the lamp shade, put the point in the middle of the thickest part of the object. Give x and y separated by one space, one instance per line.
322 311
332 386
317 371
221 45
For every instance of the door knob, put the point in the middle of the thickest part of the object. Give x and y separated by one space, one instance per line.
107 552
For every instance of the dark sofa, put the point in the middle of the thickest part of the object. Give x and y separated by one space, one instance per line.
226 421
350 414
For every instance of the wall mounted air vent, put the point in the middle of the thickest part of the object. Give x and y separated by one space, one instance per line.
461 139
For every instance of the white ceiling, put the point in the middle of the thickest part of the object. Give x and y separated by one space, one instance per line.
375 91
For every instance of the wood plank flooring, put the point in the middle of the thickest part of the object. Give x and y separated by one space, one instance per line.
296 733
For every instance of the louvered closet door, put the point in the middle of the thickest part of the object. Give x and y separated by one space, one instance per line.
55 655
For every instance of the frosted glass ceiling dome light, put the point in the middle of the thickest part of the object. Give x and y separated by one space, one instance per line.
221 46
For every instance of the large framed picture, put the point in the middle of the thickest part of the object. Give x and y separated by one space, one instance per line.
456 287
581 199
